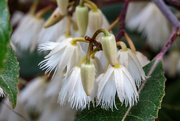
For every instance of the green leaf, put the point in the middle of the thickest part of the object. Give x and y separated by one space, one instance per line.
147 107
5 30
9 77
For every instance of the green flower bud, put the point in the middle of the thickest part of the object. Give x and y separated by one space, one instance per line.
82 19
88 77
109 47
95 20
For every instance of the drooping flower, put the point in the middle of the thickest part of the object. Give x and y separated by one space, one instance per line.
54 86
16 17
171 63
54 112
25 36
128 59
116 79
148 19
33 95
134 8
73 92
63 56
98 66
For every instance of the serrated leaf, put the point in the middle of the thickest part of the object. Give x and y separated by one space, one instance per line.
9 77
5 30
147 107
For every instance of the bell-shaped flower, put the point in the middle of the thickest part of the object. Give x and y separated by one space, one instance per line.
63 57
25 36
148 19
33 95
16 17
54 112
116 79
97 64
128 59
142 58
73 92
54 86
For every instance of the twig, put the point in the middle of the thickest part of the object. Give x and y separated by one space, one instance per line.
167 13
122 20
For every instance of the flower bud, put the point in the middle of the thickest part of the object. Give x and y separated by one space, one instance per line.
63 4
109 47
95 20
82 19
87 77
54 18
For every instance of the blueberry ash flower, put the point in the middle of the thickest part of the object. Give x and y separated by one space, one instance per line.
63 56
116 79
128 59
73 92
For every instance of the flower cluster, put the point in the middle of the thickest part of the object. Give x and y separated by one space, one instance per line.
85 79
79 78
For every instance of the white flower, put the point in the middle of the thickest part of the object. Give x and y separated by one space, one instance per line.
7 114
153 24
23 24
25 36
54 112
63 56
73 92
98 66
102 58
54 86
54 32
128 59
95 88
171 63
116 79
1 92
16 17
142 58
33 95
134 8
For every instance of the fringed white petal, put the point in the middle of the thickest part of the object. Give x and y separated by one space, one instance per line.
107 91
73 92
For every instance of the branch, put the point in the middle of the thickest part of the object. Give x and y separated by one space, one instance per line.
167 13
122 20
